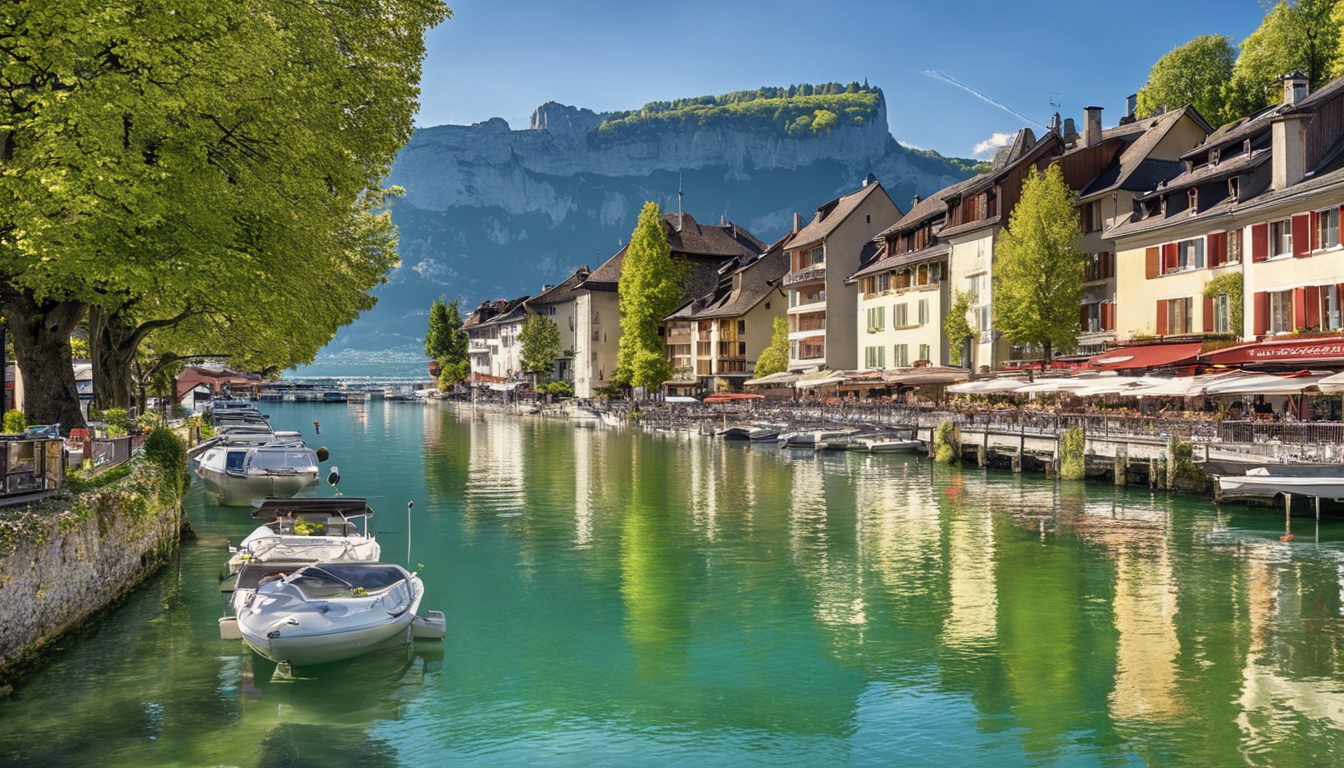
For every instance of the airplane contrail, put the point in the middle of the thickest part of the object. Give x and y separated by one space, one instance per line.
950 80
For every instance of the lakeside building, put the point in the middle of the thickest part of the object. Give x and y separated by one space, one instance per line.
821 256
1258 203
704 248
492 337
557 303
713 341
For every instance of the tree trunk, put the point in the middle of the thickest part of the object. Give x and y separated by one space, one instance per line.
41 331
112 342
1047 356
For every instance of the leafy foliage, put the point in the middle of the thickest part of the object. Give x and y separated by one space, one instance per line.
166 450
947 444
212 171
1196 73
799 110
957 326
1302 35
1072 458
775 358
1229 283
15 422
649 290
557 388
540 340
451 374
117 419
1038 279
438 339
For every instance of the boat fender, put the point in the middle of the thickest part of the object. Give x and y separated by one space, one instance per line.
322 454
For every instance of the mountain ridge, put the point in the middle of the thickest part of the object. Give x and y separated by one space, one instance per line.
493 211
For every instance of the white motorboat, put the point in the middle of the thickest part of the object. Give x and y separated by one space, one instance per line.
317 530
735 433
763 433
235 475
813 439
332 611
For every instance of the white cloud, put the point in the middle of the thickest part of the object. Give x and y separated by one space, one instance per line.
995 141
908 145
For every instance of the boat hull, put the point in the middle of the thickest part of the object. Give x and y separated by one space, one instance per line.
240 491
309 650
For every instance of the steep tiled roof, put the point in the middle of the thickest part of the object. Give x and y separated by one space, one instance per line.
565 291
758 279
831 215
885 263
1211 171
1133 170
928 207
687 237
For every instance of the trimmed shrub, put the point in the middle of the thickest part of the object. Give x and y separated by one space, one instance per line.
1183 474
947 444
165 449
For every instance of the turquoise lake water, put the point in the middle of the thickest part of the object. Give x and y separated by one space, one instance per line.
620 598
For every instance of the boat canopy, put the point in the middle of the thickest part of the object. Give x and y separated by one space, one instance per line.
272 508
331 580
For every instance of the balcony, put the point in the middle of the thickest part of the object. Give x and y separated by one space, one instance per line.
810 274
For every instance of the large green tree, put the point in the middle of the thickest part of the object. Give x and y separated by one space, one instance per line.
775 358
540 340
650 289
438 340
1302 35
1195 73
1038 269
199 161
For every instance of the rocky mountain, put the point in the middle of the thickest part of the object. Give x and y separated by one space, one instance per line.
493 212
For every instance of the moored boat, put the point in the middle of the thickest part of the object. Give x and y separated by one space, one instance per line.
320 530
235 475
332 611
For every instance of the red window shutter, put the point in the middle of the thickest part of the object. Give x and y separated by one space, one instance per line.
1315 230
1110 264
1171 257
1299 307
1153 267
1082 317
1312 297
1261 313
1208 315
1109 309
1259 242
1161 317
1301 235
1212 246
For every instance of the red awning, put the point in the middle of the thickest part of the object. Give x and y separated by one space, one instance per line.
1285 351
1149 356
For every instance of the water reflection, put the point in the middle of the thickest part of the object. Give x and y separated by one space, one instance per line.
615 596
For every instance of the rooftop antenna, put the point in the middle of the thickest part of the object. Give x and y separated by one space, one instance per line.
679 194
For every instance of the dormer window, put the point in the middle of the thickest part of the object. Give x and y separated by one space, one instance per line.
1213 156
1232 185
1194 200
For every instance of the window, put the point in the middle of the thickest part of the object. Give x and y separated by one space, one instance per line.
1327 228
1281 312
980 301
1091 217
1281 238
1222 317
875 357
923 311
1330 314
597 335
552 310
1233 246
1091 318
877 319
597 317
922 275
902 357
742 326
1178 316
1191 254
924 352
899 316
818 255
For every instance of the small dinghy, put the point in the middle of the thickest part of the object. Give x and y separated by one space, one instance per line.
332 611
735 433
320 530
763 433
891 446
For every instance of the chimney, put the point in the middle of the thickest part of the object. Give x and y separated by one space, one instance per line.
797 222
915 201
1091 126
1294 88
1288 149
1070 131
1131 104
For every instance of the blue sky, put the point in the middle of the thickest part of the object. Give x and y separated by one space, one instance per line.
502 58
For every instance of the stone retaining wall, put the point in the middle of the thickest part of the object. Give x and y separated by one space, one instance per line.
66 559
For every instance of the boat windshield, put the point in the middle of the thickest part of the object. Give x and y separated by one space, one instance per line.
302 459
234 461
330 580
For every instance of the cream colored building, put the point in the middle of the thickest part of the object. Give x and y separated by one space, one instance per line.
822 256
